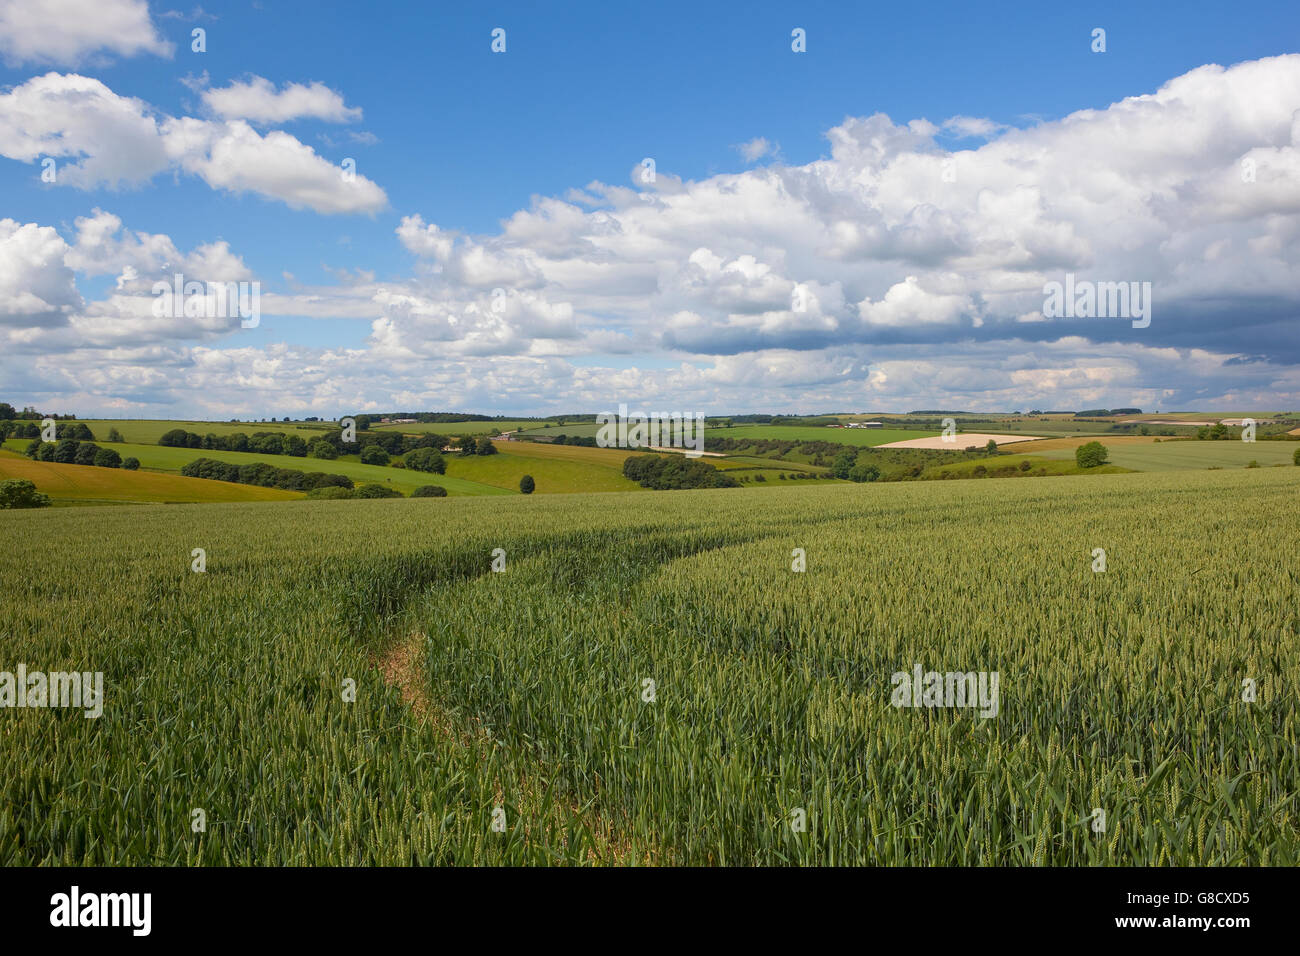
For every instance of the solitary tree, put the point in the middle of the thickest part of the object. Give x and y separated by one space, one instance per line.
526 485
991 448
1091 455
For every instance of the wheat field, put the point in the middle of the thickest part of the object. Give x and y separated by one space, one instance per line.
648 680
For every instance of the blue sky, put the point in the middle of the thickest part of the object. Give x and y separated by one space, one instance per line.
465 139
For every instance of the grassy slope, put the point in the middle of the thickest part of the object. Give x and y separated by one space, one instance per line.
450 428
575 468
162 458
1073 442
74 484
734 462
1183 455
584 430
863 437
555 468
597 460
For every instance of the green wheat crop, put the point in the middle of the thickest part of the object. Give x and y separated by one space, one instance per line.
527 690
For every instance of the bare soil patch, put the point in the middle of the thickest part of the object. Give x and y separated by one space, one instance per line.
964 440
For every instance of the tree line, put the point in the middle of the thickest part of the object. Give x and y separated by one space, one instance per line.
69 451
582 441
264 475
29 429
375 448
8 412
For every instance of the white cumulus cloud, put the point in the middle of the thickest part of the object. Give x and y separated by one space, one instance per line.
100 138
69 32
258 101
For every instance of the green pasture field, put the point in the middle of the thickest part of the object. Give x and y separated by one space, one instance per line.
862 437
579 429
451 428
1053 427
552 473
1182 455
845 436
649 682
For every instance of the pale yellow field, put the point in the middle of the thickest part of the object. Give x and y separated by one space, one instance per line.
532 449
963 440
1056 444
88 483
